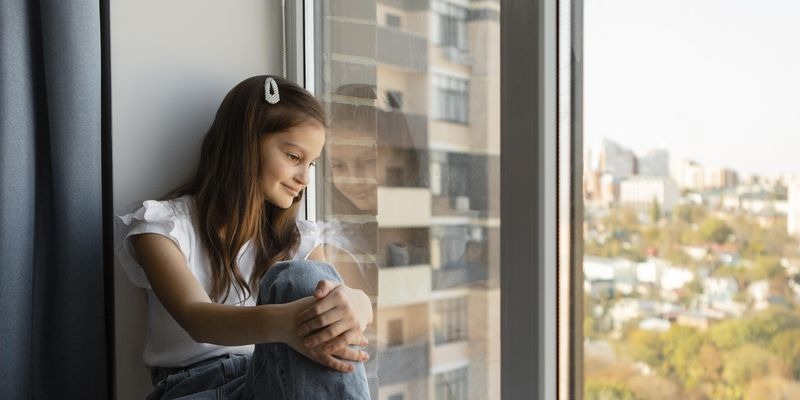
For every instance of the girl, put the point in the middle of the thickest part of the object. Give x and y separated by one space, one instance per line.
227 265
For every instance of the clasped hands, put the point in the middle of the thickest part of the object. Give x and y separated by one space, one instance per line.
330 322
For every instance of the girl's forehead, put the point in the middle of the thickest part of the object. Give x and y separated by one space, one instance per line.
307 138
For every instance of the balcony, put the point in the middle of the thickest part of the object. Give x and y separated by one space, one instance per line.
395 46
403 363
404 207
468 273
404 285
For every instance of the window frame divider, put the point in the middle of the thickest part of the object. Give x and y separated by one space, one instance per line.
528 205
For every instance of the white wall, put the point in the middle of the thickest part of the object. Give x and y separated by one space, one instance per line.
171 64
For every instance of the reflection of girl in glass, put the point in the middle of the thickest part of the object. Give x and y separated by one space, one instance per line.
363 139
227 266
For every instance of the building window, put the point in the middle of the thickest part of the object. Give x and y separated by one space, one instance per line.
452 99
452 385
395 333
450 25
393 20
451 320
394 99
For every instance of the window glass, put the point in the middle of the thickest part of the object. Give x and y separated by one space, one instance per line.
408 193
690 184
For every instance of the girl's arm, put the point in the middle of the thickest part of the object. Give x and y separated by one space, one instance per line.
187 301
207 322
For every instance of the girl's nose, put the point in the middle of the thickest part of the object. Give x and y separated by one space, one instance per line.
303 176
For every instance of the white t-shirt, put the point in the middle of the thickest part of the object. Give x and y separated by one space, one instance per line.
167 344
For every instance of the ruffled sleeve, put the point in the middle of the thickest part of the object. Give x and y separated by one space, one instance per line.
169 218
310 238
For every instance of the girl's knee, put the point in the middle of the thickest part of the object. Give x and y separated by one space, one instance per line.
291 280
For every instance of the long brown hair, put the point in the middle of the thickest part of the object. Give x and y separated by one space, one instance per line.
230 209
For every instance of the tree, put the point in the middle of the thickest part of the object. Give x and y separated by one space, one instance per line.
655 210
715 230
646 346
750 362
682 347
787 346
690 213
603 390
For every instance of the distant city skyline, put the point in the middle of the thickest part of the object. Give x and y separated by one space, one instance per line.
713 81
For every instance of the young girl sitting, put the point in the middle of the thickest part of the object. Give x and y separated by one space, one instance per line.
241 303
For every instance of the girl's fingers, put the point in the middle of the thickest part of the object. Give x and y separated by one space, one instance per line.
319 322
325 335
324 287
351 354
319 308
351 337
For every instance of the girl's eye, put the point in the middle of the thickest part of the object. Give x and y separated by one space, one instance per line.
313 164
293 157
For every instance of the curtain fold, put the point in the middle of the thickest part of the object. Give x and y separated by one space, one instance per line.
53 341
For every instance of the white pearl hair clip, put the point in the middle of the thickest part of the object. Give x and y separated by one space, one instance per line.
271 93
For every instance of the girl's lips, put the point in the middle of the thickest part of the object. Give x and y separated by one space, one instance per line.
289 189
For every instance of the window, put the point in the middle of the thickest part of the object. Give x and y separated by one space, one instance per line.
451 21
452 385
395 333
691 255
451 320
452 99
394 99
393 20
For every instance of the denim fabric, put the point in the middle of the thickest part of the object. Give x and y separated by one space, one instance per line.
274 371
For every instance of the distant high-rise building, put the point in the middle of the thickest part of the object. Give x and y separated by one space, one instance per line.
654 163
689 174
639 193
720 178
616 160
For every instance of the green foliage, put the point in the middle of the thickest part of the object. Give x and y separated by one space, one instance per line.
646 346
724 361
758 329
786 345
755 240
747 363
603 390
766 267
715 230
682 347
690 213
655 211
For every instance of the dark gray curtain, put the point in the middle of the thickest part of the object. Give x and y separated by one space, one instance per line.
53 341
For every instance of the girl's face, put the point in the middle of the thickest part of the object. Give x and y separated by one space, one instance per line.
286 158
353 169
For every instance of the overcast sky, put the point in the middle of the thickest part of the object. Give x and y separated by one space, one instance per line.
716 81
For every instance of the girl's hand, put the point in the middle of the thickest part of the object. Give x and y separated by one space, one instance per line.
338 319
340 359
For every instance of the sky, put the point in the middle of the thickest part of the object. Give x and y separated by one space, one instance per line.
715 81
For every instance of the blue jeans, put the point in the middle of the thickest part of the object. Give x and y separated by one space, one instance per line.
274 371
